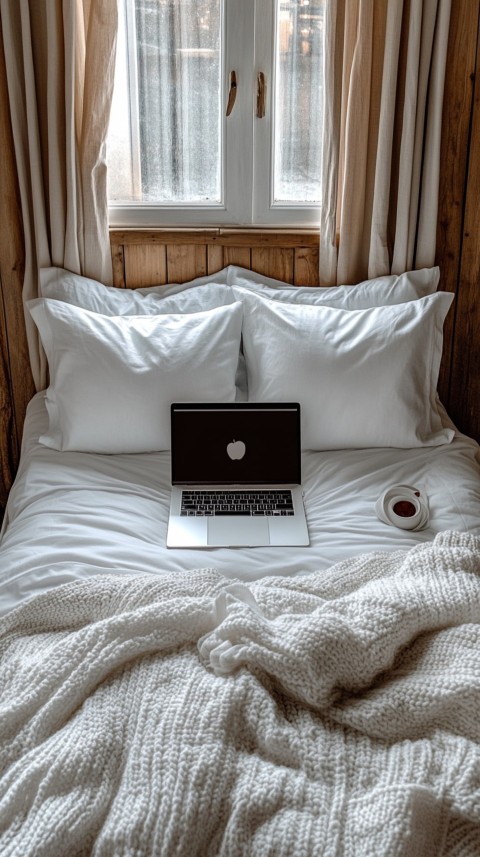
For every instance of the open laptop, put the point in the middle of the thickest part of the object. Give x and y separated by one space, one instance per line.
236 476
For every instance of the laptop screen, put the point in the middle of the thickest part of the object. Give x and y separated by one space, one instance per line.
234 444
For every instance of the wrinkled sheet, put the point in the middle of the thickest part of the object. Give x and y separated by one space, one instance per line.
74 515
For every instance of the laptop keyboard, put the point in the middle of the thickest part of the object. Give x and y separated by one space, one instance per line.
273 502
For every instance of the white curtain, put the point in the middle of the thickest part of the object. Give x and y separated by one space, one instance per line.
60 59
384 81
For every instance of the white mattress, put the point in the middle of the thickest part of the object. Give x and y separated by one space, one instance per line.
73 515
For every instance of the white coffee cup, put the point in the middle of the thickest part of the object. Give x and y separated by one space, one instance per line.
403 506
404 512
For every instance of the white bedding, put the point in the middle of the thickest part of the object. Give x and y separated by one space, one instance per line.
182 717
74 515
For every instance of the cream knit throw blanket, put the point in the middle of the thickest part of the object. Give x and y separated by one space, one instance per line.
334 714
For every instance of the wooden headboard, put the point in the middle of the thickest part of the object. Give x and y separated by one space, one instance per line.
149 258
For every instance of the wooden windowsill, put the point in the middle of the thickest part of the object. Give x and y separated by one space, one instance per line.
231 237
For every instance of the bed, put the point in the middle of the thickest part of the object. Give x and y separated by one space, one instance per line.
316 700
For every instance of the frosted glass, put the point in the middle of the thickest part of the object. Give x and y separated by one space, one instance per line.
176 116
298 101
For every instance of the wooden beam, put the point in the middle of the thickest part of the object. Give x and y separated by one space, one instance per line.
464 397
16 383
163 236
456 129
222 237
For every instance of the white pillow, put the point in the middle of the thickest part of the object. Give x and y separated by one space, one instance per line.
382 291
364 378
112 379
198 295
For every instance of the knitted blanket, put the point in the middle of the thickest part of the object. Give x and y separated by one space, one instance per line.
333 714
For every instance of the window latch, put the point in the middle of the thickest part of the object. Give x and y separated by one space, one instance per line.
232 94
261 94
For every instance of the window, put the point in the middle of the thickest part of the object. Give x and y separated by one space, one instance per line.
174 156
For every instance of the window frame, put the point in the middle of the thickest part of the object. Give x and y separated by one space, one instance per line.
249 32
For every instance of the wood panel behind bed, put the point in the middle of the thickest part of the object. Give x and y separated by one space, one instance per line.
149 258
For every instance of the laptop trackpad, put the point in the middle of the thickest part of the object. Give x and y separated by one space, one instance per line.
238 531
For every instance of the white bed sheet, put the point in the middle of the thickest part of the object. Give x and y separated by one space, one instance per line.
72 515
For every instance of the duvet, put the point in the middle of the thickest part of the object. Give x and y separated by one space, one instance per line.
334 714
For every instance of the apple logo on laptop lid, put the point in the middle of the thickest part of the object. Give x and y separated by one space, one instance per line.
236 449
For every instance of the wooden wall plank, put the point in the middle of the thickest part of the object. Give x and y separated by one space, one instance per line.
464 396
118 265
306 266
276 262
8 434
16 384
240 256
456 119
215 260
145 265
185 262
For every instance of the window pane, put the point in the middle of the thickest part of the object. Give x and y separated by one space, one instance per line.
298 101
175 73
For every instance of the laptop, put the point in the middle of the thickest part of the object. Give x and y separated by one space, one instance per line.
236 476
